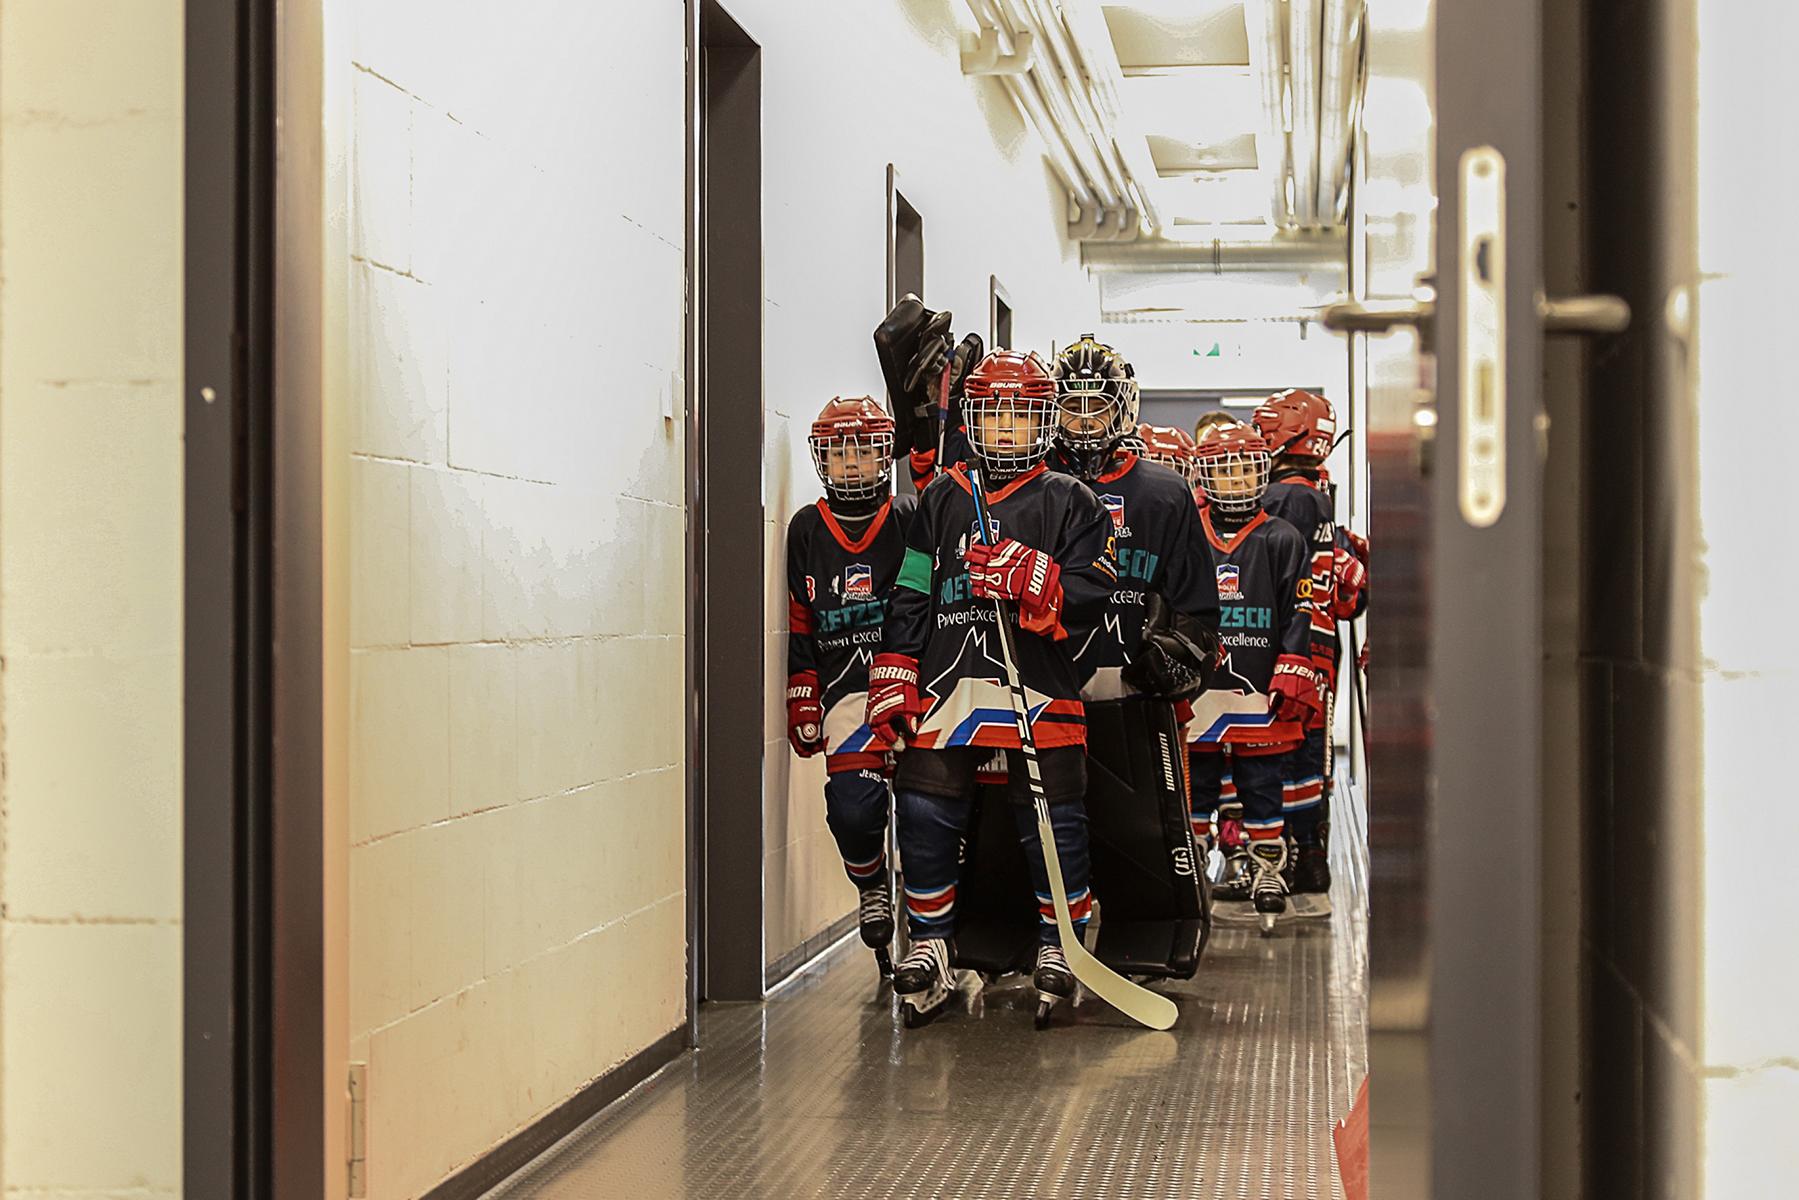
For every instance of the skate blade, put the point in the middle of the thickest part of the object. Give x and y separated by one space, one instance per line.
1309 906
1234 912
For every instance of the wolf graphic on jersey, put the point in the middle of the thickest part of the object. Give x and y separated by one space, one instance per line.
839 589
937 619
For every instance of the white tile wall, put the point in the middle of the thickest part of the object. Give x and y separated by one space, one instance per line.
517 605
1745 311
90 597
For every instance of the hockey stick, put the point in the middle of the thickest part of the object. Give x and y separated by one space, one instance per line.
1138 1003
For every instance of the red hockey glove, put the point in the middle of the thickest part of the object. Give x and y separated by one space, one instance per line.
805 715
1351 577
894 708
1358 544
1293 692
1011 570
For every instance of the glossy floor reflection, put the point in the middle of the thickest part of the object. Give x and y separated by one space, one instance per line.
820 1092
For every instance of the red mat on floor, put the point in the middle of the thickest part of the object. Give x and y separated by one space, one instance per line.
1351 1138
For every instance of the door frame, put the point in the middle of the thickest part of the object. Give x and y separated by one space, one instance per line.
227 886
727 930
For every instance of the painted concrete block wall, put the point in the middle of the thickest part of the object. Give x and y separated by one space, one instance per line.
848 88
1746 313
517 594
90 597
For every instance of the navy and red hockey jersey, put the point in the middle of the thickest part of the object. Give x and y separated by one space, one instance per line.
937 619
838 592
1264 612
1160 547
1302 502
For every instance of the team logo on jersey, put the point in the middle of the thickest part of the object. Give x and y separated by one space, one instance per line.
858 582
1115 506
973 536
1229 576
811 589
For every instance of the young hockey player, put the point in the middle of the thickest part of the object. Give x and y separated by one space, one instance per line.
1137 648
1264 692
1300 428
1169 447
843 556
939 683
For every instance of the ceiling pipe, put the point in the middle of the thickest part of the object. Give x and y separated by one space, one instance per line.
1074 126
1105 80
1339 76
1268 64
1077 124
1315 251
1068 68
1026 99
1304 28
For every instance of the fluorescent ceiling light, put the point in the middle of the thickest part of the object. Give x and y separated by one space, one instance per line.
1201 106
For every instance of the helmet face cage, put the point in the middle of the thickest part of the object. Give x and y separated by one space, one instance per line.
854 450
1110 405
1180 464
1021 445
1226 469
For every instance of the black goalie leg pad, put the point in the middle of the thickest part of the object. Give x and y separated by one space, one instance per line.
1154 898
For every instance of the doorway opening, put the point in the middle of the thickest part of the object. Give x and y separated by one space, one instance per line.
726 506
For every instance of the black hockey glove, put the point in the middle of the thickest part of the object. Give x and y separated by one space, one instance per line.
909 342
1176 655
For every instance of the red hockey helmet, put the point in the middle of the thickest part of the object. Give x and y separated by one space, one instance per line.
852 448
1169 446
1297 424
1232 468
1008 404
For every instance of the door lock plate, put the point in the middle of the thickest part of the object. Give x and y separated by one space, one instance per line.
1480 337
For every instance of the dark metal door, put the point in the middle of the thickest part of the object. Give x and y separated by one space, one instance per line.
1458 442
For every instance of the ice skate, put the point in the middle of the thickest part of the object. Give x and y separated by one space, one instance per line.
1053 980
1269 891
1312 882
1234 878
874 919
923 979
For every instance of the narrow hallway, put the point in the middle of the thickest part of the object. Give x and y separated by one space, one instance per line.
820 1092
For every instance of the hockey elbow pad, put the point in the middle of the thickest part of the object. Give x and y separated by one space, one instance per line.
1293 692
805 714
894 707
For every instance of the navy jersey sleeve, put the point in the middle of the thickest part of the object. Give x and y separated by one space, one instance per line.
1189 581
909 616
802 654
1292 591
1087 556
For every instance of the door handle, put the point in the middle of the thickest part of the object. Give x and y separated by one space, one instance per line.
1381 316
1583 314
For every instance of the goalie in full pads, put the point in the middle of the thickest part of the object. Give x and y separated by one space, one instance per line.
843 555
939 684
